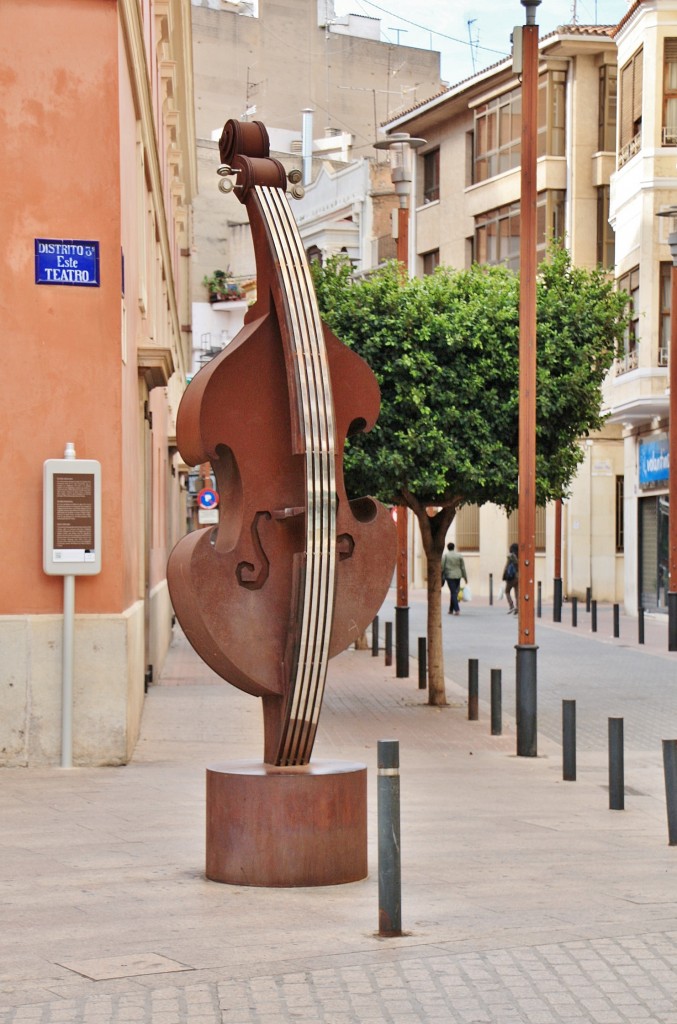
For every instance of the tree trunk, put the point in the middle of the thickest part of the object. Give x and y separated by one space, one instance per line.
433 534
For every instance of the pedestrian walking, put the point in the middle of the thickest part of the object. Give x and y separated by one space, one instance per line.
453 571
511 579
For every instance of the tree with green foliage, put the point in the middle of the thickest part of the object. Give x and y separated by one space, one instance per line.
445 351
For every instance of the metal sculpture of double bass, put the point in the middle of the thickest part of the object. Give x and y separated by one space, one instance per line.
294 571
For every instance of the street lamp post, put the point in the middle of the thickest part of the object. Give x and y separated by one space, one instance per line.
672 436
400 146
526 646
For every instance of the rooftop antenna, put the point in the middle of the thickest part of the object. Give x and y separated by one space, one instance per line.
574 13
473 43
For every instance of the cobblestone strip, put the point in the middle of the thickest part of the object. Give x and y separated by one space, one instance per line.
628 980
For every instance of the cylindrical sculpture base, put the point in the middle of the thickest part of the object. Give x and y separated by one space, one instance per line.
284 827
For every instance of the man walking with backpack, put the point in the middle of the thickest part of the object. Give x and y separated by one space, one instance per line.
510 577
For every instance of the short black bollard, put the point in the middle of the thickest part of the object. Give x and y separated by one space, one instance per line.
569 740
640 626
539 601
616 767
496 703
473 689
670 772
374 637
617 621
422 663
593 616
574 611
389 860
557 599
491 588
389 643
588 598
402 643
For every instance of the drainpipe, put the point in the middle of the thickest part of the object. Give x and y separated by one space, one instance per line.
307 144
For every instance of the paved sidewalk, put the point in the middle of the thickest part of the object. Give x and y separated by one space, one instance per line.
524 898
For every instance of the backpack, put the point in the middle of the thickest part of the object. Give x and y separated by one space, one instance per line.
510 571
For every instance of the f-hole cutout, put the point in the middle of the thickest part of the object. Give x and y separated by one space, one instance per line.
229 484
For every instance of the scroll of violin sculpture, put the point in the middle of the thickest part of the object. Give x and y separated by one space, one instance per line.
294 572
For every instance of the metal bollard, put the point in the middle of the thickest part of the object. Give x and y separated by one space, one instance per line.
402 643
496 703
539 601
389 859
422 663
593 616
389 644
473 689
569 740
588 598
616 767
617 621
557 599
574 611
374 637
670 772
491 588
640 626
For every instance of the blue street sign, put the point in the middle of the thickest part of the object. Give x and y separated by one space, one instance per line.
67 261
207 498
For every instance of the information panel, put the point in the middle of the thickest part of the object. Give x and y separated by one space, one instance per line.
72 517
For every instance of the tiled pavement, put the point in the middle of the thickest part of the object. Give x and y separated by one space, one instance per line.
524 898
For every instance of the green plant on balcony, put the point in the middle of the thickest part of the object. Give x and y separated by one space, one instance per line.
222 287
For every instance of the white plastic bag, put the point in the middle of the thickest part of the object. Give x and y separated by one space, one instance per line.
467 593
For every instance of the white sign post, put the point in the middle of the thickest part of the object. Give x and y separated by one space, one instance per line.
71 546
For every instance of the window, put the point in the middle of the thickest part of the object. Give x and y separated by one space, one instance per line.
468 528
620 517
551 113
608 91
606 236
627 359
539 528
431 260
631 107
431 176
498 127
497 135
670 93
665 285
497 232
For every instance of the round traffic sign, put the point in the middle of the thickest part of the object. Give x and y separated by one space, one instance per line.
207 498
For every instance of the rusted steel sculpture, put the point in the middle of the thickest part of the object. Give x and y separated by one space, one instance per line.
294 571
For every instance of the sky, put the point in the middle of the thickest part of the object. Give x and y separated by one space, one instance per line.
450 25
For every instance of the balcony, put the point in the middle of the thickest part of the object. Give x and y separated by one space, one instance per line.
626 362
669 136
629 149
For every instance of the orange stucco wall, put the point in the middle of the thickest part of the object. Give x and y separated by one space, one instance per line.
62 370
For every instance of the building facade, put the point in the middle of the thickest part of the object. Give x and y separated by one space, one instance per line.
99 158
321 84
467 208
643 185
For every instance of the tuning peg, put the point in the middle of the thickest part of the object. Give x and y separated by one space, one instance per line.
294 176
226 185
297 191
223 170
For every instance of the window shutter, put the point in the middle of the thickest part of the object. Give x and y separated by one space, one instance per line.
638 61
626 104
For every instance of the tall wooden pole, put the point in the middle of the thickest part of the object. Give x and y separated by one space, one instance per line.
672 482
557 589
402 607
526 647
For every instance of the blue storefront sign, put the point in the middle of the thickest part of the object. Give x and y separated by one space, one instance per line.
654 462
67 261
